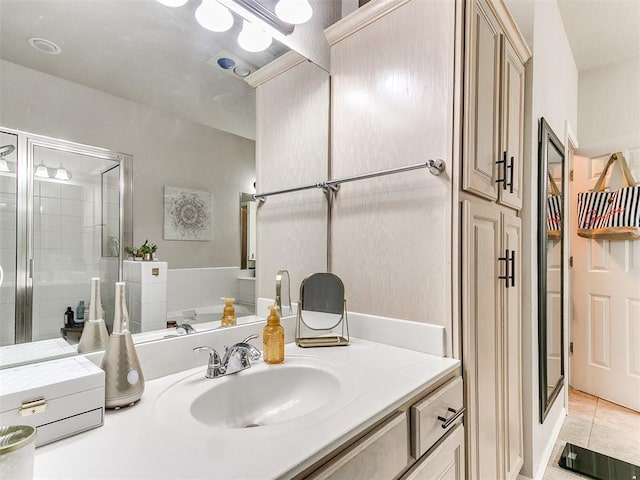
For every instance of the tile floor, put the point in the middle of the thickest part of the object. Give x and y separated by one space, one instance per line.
598 425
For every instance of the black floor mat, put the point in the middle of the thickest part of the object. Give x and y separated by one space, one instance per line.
596 465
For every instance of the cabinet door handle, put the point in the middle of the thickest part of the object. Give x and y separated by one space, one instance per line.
503 162
512 261
506 259
446 422
510 182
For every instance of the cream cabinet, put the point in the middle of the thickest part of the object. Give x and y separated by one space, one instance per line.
494 122
422 440
491 286
446 462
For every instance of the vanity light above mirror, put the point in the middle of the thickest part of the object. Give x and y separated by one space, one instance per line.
258 21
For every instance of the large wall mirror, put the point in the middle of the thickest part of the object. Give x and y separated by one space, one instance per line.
550 266
147 80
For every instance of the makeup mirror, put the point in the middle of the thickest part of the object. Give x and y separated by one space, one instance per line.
322 312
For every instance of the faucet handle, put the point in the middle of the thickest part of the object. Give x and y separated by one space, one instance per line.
214 365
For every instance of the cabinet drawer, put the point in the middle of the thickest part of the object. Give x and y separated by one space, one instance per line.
426 427
381 455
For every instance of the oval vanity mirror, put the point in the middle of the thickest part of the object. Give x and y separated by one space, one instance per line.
322 316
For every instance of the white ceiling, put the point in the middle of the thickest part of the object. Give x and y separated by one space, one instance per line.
601 32
139 50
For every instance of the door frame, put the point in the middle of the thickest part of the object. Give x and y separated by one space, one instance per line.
571 145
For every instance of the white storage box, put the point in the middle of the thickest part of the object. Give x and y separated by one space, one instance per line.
60 397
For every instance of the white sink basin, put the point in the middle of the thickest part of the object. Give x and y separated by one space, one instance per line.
302 390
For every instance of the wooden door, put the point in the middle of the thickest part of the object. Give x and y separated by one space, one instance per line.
481 149
482 337
511 348
605 326
512 127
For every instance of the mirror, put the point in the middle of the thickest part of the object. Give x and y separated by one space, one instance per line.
322 313
145 79
550 266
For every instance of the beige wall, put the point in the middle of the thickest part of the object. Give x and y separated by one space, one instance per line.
166 150
609 108
292 125
552 93
392 106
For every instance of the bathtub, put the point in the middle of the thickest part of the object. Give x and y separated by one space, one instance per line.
212 313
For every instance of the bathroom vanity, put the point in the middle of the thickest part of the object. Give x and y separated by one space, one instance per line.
325 413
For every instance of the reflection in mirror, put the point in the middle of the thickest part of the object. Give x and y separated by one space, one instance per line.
111 212
322 313
248 232
550 261
283 293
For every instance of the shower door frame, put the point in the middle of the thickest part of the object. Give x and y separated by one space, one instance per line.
27 142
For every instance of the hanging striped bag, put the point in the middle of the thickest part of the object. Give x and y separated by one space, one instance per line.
554 210
610 215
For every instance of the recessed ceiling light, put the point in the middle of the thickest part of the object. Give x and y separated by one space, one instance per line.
45 46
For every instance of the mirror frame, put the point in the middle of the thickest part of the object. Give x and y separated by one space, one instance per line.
545 138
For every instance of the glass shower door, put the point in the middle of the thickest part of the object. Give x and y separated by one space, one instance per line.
67 248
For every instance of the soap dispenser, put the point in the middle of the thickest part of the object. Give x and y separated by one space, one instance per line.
273 338
229 312
94 336
124 382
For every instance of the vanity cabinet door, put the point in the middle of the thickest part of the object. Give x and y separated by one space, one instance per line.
482 366
481 151
381 455
512 350
445 462
512 126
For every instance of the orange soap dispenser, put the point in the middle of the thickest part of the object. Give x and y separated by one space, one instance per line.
273 338
229 312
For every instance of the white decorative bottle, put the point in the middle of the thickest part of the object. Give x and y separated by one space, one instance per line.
94 336
124 383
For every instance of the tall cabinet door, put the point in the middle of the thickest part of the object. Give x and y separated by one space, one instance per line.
481 305
482 119
512 126
511 347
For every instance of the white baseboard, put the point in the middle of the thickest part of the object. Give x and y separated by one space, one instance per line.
548 451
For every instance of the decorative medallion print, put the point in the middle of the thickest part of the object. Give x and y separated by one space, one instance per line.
187 214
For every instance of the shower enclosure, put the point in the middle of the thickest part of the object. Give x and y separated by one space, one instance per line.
65 213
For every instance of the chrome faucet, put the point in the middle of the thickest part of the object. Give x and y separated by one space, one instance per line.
236 358
186 327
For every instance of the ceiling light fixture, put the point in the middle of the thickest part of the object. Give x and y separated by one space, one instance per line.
294 11
173 3
252 38
214 16
42 171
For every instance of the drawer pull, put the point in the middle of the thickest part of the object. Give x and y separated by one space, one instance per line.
446 422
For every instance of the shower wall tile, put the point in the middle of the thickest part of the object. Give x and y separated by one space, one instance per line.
71 192
8 185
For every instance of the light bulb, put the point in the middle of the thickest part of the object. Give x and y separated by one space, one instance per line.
4 166
294 11
172 3
62 173
252 38
214 16
42 171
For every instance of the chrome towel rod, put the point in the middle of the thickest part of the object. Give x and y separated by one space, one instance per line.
436 167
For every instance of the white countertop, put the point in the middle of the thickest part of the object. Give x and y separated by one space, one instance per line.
135 444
